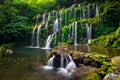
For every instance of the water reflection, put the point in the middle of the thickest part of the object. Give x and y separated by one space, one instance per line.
107 51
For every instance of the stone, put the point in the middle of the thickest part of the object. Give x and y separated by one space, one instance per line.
116 61
111 76
9 51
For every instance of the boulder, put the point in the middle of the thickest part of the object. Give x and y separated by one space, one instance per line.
85 73
111 76
9 51
116 61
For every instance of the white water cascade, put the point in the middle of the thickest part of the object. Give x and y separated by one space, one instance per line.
33 32
70 26
66 17
38 36
71 65
88 10
75 41
62 61
48 42
55 27
44 17
73 30
60 13
46 27
97 10
80 12
74 12
89 32
50 61
48 16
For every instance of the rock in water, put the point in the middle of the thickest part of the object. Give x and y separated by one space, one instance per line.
116 61
111 76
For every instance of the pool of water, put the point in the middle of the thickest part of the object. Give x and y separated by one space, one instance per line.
27 63
112 52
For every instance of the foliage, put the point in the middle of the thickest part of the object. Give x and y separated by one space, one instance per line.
109 40
65 31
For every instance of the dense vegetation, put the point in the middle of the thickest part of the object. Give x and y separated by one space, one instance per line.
17 19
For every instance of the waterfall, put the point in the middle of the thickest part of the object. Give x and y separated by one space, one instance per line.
55 27
62 61
83 12
73 30
97 10
75 41
33 32
50 61
48 16
69 35
88 10
70 57
71 65
38 36
74 12
46 27
48 42
71 11
66 17
80 11
44 17
67 61
53 14
60 13
56 15
55 40
89 32
63 37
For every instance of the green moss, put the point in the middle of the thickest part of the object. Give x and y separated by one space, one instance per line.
111 40
92 76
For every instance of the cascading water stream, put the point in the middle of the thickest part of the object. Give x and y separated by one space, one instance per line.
55 27
73 30
96 10
75 41
88 10
71 66
83 12
50 61
80 11
69 35
63 37
62 61
33 32
74 12
48 17
44 17
60 13
48 42
89 32
38 36
46 27
66 17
